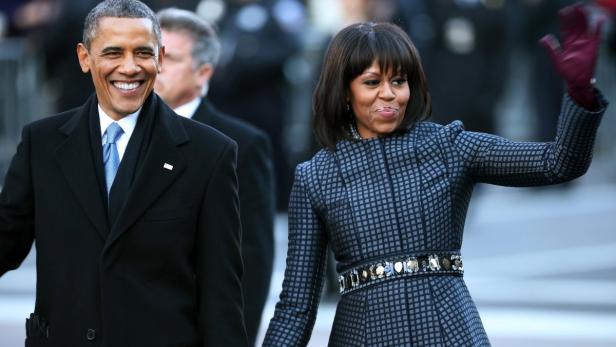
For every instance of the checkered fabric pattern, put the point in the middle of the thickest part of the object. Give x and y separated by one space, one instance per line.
406 194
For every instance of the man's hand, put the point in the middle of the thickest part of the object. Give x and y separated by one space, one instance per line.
575 60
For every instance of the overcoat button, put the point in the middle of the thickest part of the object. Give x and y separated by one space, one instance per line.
91 334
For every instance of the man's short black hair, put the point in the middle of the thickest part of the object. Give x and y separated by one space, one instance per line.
119 9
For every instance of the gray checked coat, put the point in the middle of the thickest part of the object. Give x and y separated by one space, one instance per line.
407 194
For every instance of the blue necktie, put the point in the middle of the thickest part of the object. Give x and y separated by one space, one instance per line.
111 158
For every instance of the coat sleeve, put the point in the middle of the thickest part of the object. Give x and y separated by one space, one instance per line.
296 309
219 263
17 209
493 159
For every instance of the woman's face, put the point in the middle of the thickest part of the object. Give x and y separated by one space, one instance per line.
378 100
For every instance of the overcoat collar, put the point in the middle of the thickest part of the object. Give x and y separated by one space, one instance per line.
205 112
162 164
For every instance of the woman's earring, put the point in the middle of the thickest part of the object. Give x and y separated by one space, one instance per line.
348 107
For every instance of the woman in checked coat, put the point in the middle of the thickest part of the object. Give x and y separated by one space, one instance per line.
389 191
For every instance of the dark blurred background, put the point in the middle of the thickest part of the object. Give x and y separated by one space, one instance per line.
484 66
482 59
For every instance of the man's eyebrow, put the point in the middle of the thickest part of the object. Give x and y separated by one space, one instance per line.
114 49
145 48
111 49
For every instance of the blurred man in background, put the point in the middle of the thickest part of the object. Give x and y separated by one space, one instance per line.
192 51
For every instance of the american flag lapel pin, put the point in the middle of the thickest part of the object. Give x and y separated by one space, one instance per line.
168 166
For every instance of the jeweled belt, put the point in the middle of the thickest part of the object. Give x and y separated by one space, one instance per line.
400 266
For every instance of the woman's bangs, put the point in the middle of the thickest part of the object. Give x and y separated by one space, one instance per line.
393 56
361 57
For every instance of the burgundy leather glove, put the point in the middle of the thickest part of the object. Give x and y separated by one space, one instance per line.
575 61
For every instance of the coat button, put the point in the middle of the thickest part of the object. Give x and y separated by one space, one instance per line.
91 334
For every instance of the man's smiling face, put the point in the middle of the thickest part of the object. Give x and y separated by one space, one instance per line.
124 58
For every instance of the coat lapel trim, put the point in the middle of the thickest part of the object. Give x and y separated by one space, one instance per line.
75 160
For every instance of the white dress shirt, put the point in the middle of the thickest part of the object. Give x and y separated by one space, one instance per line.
127 124
188 109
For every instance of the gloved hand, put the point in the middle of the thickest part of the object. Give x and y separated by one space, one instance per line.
575 61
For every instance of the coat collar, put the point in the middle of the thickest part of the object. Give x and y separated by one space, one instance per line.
152 105
206 112
162 164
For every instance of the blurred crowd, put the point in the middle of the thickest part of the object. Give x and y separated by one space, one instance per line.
481 58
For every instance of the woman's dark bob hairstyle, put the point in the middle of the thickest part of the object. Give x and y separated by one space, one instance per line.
351 52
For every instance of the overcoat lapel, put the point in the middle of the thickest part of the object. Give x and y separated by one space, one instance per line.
162 164
76 162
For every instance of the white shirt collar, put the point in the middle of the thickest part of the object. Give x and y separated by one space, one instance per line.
127 123
188 109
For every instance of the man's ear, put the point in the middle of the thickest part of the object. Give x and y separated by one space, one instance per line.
83 55
204 73
161 58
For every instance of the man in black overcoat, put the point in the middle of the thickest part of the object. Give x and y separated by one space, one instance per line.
192 50
134 210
